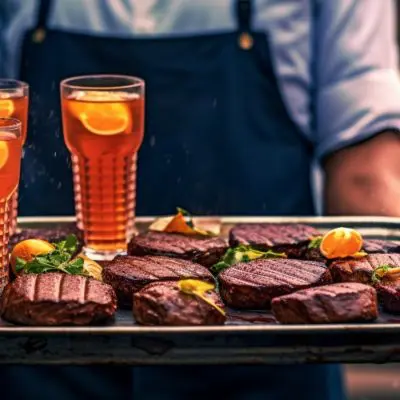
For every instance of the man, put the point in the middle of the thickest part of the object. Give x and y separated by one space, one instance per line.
242 97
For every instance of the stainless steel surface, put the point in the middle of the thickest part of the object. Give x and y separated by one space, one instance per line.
240 341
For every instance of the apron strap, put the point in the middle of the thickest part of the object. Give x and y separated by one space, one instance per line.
39 32
244 17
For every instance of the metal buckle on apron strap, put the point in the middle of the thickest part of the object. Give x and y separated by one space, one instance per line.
39 35
245 41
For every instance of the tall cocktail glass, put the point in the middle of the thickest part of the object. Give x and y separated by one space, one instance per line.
10 161
103 124
14 100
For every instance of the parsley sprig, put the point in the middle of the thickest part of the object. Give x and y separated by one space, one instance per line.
242 253
384 270
59 260
315 242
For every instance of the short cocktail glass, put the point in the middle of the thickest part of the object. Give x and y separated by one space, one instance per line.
103 124
10 161
14 100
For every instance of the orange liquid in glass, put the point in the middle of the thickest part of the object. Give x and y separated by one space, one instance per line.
10 159
15 107
103 131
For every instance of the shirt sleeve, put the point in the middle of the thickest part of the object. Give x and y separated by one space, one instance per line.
356 70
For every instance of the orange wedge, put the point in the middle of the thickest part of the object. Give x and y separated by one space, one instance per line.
3 154
342 242
178 224
102 113
6 108
29 249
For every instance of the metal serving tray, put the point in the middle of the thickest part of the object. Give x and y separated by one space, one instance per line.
248 338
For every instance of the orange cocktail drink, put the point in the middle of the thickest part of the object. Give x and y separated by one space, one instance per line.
14 99
103 123
10 160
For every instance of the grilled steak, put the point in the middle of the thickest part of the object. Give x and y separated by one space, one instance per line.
389 295
203 250
56 234
361 269
292 239
162 303
57 299
381 246
254 284
340 302
129 274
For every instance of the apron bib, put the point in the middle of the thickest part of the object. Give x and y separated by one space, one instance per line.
218 140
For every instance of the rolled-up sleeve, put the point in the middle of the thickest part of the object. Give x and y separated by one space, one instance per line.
357 79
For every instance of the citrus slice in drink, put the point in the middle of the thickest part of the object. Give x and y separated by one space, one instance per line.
102 113
6 108
3 154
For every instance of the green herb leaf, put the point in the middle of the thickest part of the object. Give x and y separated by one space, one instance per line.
380 272
315 242
59 260
242 254
20 264
187 215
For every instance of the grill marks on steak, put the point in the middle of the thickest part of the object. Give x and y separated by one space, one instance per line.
57 299
340 302
203 250
292 239
129 274
254 284
381 246
162 303
360 270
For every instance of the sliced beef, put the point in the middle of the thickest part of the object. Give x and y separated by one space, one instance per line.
56 234
57 299
129 274
292 239
381 246
254 284
340 302
204 250
162 303
389 295
361 269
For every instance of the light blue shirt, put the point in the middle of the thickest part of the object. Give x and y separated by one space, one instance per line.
346 53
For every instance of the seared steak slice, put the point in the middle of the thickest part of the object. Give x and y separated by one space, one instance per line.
361 269
340 302
204 250
55 234
381 246
162 303
129 274
292 239
389 295
57 299
254 284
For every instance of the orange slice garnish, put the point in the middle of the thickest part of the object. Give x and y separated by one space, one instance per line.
6 108
28 249
341 243
178 224
3 154
102 113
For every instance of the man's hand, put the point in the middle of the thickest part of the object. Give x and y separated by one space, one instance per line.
364 179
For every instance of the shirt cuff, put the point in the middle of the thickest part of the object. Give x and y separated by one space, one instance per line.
356 109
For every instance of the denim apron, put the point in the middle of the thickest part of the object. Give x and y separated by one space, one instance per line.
218 140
